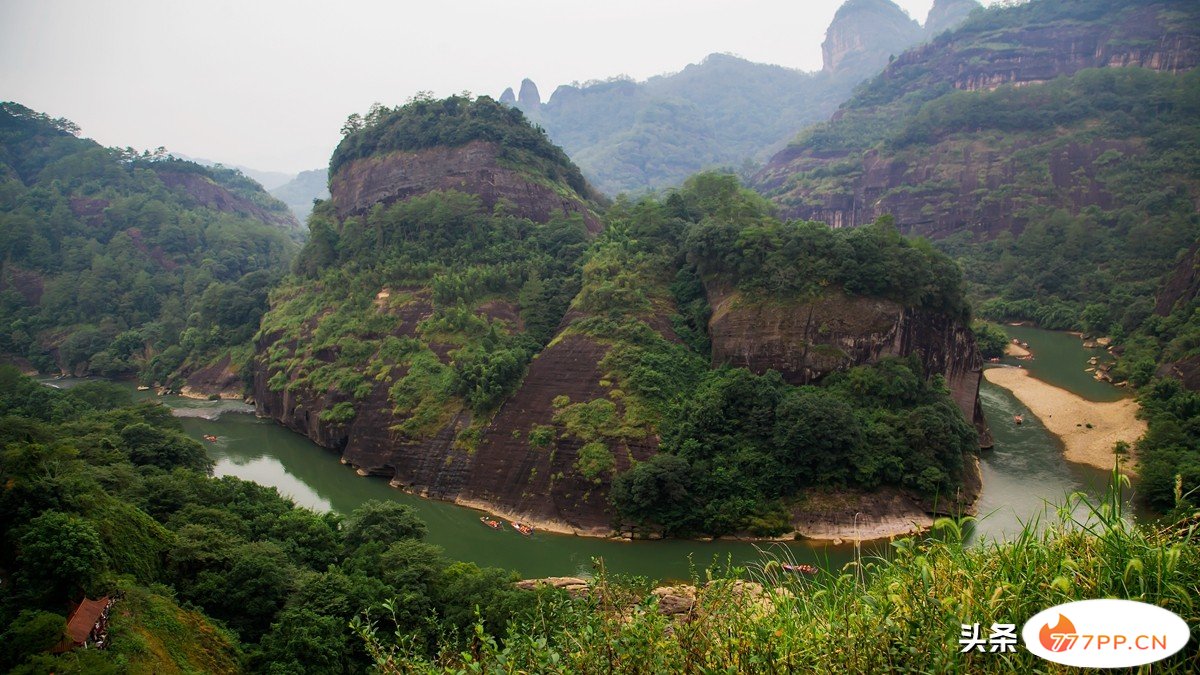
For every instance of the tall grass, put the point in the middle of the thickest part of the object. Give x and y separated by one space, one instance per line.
901 612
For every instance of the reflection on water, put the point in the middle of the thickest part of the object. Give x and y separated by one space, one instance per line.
261 451
1023 474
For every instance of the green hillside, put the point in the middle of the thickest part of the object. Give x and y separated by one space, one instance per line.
118 263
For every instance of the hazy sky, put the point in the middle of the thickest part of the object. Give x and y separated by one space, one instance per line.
268 84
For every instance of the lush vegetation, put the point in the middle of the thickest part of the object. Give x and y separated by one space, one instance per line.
116 263
1169 453
900 612
737 449
1092 174
102 497
454 121
375 298
1096 269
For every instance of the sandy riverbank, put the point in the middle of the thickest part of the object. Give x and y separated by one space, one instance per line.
1016 350
543 525
1068 415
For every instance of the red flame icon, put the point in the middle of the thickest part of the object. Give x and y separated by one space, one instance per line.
1063 628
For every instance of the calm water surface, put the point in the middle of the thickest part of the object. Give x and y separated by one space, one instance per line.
1022 476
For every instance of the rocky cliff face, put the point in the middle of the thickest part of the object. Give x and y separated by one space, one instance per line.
804 341
953 185
864 33
507 472
959 181
1182 284
473 168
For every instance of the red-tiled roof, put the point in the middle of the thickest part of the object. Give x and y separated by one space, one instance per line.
80 623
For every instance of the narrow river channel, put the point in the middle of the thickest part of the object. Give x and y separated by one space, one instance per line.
1023 474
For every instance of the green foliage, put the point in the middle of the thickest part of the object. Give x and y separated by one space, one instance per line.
454 121
101 500
340 413
59 555
377 521
32 632
116 258
901 611
742 445
595 462
1169 453
990 338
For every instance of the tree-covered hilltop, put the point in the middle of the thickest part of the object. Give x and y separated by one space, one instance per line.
103 497
116 263
738 450
724 111
452 122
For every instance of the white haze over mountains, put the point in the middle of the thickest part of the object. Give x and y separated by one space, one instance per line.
267 84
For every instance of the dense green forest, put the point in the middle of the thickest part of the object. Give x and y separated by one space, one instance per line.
1096 270
101 496
118 263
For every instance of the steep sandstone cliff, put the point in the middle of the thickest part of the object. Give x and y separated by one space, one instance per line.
474 168
805 341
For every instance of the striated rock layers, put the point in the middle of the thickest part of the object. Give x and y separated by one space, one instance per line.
506 472
806 340
475 168
980 182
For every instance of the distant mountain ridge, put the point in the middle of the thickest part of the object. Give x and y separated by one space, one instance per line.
848 171
724 111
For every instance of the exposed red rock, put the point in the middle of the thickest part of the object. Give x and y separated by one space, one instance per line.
805 341
950 185
473 168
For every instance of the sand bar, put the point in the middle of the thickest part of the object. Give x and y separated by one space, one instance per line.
1016 350
1068 415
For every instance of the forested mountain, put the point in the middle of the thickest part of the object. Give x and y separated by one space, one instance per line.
1054 149
725 111
114 262
462 321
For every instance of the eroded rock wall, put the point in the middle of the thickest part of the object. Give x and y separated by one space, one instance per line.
805 341
473 168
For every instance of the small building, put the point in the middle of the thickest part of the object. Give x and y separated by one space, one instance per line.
87 626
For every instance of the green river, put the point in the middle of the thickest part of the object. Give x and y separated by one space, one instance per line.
1022 475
